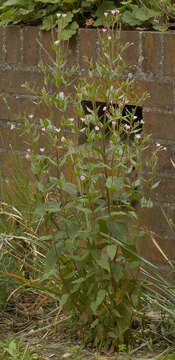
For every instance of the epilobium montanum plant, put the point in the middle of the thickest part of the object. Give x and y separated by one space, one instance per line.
88 180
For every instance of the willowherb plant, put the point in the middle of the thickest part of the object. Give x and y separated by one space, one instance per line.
89 177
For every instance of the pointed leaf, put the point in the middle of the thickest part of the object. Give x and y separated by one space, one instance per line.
111 251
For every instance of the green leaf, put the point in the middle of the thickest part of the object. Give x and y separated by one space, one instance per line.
154 186
169 357
104 264
119 230
12 349
117 271
111 251
100 297
143 13
105 6
69 188
64 299
53 207
123 322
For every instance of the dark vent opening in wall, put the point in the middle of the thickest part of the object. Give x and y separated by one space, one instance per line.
137 112
128 110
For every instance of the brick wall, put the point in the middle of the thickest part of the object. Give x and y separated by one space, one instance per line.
152 57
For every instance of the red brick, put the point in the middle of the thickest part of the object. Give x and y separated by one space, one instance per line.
151 51
159 125
30 45
169 51
15 107
70 47
160 94
47 52
12 140
1 43
153 219
13 45
88 46
11 81
165 192
131 54
164 166
148 249
9 164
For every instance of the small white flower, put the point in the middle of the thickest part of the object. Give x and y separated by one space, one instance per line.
113 12
31 116
134 117
27 156
43 129
157 144
113 123
138 136
82 119
28 150
142 121
127 127
12 126
57 130
71 119
62 139
104 109
83 129
104 30
105 14
57 42
109 37
42 149
82 177
64 15
97 128
58 14
164 148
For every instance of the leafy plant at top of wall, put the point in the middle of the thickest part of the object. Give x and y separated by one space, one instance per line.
86 190
149 14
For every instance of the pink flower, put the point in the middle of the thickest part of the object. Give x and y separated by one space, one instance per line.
42 149
115 12
57 130
28 150
138 136
12 126
43 129
113 122
127 127
82 177
58 15
104 30
97 128
82 119
71 119
31 116
105 14
64 15
157 144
